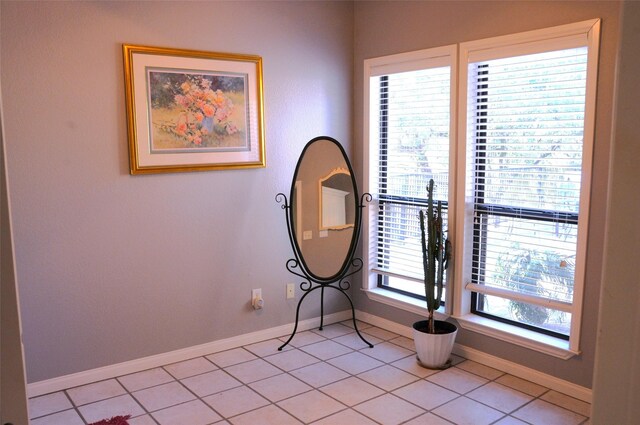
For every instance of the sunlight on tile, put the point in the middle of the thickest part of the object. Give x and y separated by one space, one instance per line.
327 377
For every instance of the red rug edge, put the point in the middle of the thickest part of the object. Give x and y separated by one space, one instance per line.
116 420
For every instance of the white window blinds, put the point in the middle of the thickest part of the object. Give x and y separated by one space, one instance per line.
505 127
525 121
413 126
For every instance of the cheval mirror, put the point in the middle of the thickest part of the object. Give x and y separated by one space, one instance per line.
323 222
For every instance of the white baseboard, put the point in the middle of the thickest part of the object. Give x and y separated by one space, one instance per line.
515 369
125 368
385 324
107 372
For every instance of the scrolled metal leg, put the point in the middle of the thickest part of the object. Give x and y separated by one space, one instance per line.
295 328
353 315
321 308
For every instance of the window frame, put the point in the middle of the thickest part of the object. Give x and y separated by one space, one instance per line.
394 199
484 211
586 33
375 67
460 200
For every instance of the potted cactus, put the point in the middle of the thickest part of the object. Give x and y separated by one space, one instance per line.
433 338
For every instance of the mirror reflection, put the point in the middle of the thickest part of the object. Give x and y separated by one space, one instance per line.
323 208
336 199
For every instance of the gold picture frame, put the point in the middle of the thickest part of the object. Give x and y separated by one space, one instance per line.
191 110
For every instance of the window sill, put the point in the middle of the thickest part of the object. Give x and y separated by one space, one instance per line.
403 302
523 337
546 344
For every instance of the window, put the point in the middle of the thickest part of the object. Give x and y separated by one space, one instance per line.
411 110
525 125
518 141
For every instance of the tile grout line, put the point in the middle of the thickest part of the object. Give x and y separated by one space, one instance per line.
389 337
144 409
385 392
75 408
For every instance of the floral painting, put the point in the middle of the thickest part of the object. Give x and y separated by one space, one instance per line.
191 110
197 111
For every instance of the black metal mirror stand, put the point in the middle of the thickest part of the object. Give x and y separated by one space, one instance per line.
311 284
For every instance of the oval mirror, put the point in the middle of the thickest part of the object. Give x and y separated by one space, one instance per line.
324 208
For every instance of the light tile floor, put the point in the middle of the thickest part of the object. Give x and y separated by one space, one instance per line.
327 377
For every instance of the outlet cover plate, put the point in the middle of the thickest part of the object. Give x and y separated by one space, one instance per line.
256 293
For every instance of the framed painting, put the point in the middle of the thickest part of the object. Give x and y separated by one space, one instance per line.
190 110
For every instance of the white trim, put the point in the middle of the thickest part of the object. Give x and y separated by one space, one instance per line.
519 296
521 337
535 41
386 324
515 369
401 62
369 153
514 48
410 61
585 33
593 44
532 340
403 302
107 372
453 206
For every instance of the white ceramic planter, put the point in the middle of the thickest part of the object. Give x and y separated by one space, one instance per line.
434 350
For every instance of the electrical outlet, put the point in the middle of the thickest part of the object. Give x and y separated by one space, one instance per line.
256 293
256 299
291 291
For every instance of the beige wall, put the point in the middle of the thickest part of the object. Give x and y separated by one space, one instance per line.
383 28
617 371
113 267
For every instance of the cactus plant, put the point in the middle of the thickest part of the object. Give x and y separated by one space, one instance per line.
435 255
